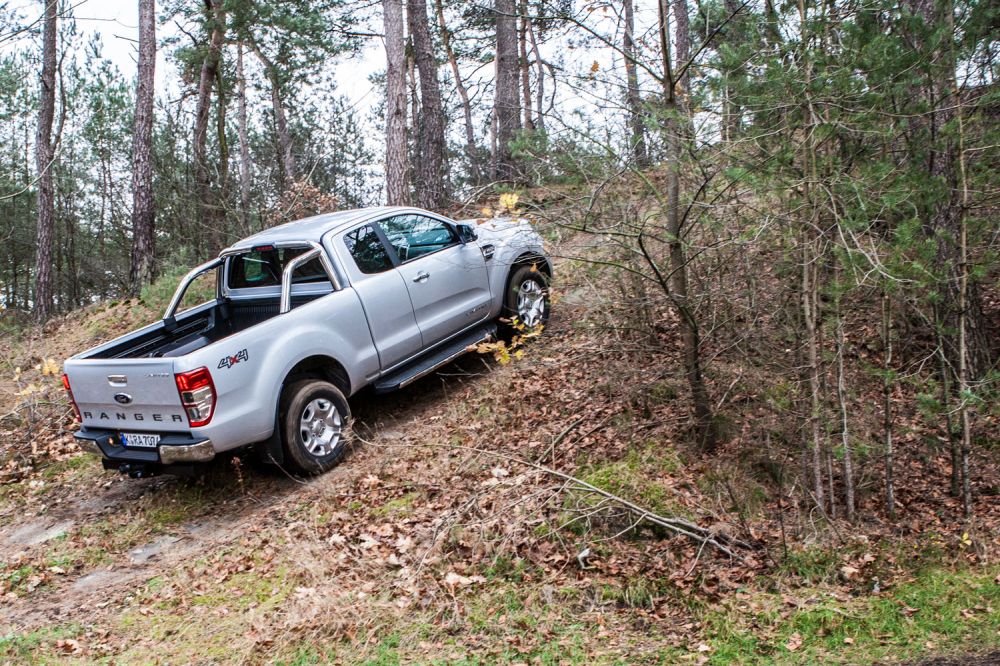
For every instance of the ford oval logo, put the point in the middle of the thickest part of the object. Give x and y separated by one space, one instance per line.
123 398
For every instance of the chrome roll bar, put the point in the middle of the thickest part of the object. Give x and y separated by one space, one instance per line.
175 302
286 277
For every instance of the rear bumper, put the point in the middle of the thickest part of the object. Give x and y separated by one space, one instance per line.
173 449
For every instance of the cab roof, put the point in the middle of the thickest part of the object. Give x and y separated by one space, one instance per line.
313 228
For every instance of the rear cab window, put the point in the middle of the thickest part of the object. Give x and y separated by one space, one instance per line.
263 267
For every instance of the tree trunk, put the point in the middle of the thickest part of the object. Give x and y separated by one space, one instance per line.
679 292
845 439
890 482
522 49
633 98
463 93
396 186
44 158
143 210
732 112
506 106
964 379
285 153
241 119
215 15
429 171
809 317
540 80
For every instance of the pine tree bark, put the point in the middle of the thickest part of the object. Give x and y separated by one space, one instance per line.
471 152
216 17
44 157
143 209
633 98
242 128
506 104
429 168
396 184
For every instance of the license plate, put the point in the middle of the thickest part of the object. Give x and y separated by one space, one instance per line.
140 440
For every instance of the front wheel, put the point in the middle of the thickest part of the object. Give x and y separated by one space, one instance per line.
316 426
526 303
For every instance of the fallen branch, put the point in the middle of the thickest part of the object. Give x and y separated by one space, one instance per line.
701 535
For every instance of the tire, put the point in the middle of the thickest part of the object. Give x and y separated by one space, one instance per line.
314 437
526 305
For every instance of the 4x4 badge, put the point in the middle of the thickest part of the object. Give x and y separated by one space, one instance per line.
230 361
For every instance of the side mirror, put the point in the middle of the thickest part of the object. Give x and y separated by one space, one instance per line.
466 233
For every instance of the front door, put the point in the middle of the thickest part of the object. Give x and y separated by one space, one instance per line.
383 294
447 280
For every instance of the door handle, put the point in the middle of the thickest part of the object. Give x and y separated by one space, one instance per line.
422 276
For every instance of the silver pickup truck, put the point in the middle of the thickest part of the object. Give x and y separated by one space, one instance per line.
305 315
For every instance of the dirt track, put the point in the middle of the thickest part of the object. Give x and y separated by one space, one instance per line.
81 594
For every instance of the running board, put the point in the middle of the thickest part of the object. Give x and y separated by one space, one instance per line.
430 362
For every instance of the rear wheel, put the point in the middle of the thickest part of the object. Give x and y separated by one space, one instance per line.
315 424
526 303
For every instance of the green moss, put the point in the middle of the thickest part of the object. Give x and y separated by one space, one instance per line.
636 478
937 611
400 506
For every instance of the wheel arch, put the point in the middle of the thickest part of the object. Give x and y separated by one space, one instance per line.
527 259
320 366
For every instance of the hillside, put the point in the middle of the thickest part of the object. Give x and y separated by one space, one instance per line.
446 537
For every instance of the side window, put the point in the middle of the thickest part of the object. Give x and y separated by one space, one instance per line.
263 268
367 249
414 236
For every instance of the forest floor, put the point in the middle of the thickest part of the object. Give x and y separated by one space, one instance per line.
440 539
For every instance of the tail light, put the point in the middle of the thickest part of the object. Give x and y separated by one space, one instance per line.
197 395
72 400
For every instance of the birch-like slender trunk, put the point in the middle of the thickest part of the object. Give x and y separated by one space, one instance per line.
633 99
525 67
809 287
887 420
845 434
964 382
244 135
540 79
470 135
808 295
286 152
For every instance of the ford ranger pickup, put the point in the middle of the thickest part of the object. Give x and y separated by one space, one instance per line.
304 315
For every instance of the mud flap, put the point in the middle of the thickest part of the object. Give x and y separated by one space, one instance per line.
271 451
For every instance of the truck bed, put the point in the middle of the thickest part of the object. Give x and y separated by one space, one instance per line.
196 328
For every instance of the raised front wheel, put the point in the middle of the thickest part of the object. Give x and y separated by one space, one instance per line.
526 303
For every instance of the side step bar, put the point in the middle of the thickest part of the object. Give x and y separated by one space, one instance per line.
427 364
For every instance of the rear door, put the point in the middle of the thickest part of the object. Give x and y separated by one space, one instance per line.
447 280
383 294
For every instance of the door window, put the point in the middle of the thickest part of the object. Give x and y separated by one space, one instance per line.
367 249
414 236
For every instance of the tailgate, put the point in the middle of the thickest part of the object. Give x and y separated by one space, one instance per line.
127 394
